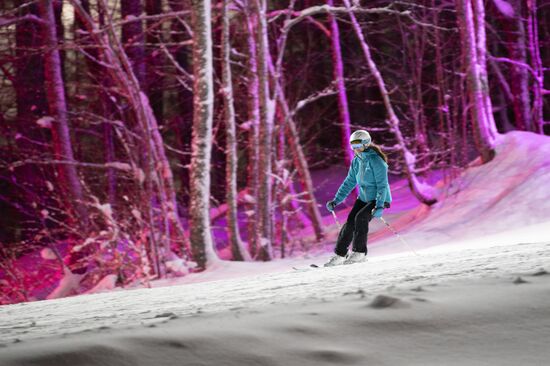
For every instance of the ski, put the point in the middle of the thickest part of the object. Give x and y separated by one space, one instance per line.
313 265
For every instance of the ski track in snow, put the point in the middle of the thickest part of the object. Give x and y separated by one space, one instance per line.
143 307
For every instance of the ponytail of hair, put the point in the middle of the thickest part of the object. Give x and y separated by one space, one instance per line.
379 151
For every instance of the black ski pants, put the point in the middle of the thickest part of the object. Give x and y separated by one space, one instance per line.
355 229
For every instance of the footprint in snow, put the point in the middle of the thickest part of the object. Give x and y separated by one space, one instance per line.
519 281
333 356
540 272
384 301
420 299
359 292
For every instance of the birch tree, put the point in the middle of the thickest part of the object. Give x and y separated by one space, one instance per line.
472 32
265 133
536 65
202 243
253 109
481 50
238 250
338 70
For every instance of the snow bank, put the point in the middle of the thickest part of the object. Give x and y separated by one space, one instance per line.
511 192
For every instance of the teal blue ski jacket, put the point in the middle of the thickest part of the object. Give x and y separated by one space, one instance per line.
370 172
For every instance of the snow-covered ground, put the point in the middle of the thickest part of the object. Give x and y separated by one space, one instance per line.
477 293
487 306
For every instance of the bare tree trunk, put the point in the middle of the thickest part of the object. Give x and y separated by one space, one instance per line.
338 71
253 228
108 136
484 129
29 86
132 37
443 107
201 236
265 134
420 192
481 49
238 250
465 111
154 59
62 146
30 98
184 120
158 188
520 85
110 156
281 184
536 64
502 109
55 93
515 43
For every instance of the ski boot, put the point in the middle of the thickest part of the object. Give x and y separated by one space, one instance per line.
355 257
335 260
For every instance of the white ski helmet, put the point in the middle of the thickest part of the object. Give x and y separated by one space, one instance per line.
361 135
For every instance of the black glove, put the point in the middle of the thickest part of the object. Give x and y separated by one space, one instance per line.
330 205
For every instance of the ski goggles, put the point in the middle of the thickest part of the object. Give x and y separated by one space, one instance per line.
356 144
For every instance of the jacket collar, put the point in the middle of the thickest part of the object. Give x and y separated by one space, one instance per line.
365 154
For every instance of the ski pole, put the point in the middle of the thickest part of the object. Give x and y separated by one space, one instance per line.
399 236
336 219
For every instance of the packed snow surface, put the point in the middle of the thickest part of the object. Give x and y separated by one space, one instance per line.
457 307
477 293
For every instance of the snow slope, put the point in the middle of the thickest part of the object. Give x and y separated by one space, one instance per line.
478 293
510 193
453 307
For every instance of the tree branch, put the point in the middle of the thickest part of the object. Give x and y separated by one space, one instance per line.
323 93
110 165
517 63
326 9
5 22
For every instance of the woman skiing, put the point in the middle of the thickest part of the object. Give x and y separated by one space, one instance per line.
369 170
